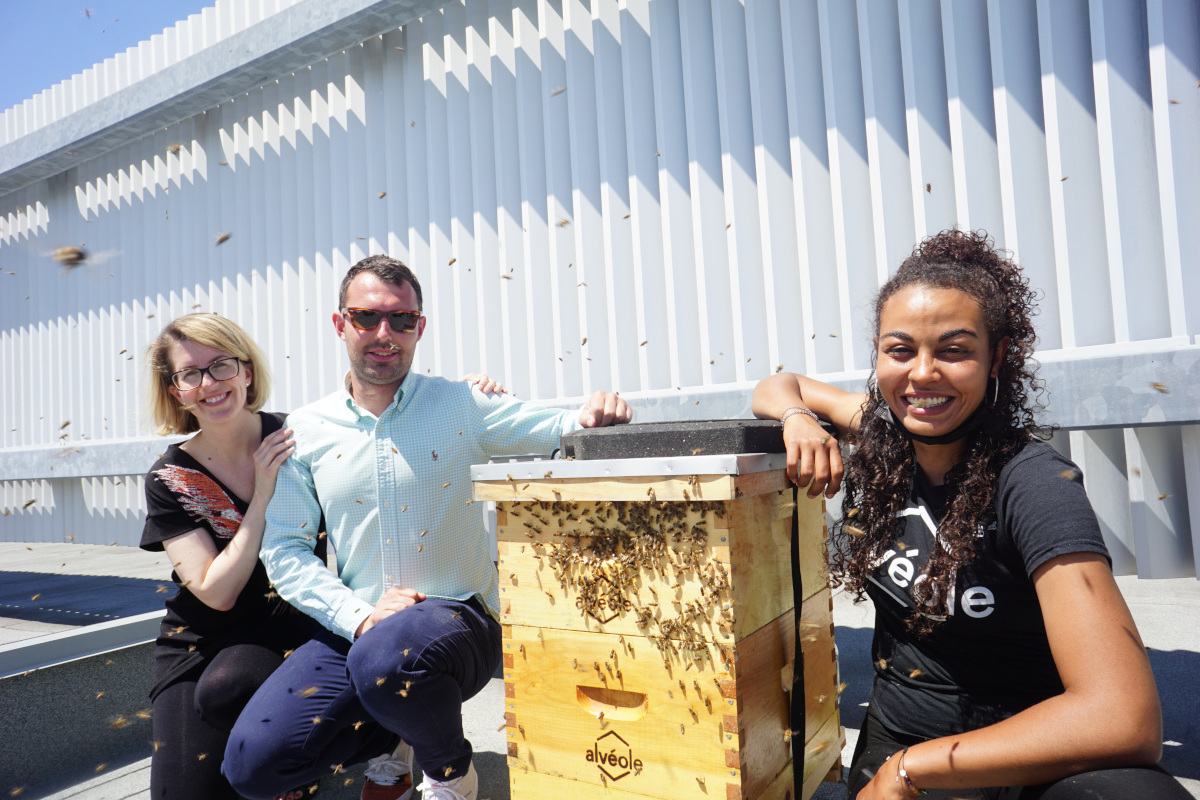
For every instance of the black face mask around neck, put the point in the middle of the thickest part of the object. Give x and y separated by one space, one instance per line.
977 418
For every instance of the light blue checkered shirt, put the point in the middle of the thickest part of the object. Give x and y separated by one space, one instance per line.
382 486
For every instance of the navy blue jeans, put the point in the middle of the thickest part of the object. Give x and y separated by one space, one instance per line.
336 703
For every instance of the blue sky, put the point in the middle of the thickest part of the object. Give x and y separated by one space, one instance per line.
45 41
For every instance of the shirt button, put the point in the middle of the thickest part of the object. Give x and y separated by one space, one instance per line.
389 541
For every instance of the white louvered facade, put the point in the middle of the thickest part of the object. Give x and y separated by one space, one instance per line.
703 191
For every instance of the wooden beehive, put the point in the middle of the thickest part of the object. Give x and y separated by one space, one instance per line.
648 629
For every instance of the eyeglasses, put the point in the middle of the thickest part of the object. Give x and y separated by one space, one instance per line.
221 370
366 319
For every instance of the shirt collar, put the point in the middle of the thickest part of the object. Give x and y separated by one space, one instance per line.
397 403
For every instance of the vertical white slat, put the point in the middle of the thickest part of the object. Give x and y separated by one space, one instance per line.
684 342
743 242
536 268
887 135
1021 149
931 161
418 175
1072 150
620 301
1174 55
972 118
463 275
376 129
353 186
812 191
651 304
1100 454
313 309
489 319
709 222
395 151
564 277
785 316
276 192
287 298
1159 502
516 313
443 325
1124 123
325 276
586 224
850 181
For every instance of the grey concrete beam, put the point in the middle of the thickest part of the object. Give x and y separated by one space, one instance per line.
90 640
279 45
1123 390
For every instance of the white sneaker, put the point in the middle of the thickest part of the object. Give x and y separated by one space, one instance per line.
465 787
389 777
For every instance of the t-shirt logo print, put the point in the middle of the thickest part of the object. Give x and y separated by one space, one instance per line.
202 497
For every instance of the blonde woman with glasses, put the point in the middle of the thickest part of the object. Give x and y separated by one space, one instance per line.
225 630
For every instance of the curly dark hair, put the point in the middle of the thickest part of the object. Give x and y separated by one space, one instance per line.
880 469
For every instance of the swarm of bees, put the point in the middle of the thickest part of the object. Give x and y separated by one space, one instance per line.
608 548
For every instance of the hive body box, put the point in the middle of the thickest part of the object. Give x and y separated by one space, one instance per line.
648 618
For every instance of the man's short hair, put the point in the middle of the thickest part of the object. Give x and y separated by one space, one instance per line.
387 269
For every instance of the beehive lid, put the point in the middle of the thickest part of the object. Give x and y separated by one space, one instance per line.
666 439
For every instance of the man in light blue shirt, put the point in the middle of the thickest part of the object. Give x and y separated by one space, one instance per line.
411 616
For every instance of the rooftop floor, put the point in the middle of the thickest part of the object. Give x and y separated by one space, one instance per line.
80 584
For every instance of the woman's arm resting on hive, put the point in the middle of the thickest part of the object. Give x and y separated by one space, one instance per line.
813 458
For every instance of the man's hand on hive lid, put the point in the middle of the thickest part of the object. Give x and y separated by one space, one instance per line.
603 409
394 600
484 384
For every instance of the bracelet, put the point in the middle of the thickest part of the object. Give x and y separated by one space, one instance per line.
792 411
901 772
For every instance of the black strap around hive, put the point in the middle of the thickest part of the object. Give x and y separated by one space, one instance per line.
796 718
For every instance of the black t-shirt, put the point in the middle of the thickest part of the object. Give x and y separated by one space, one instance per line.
990 657
181 496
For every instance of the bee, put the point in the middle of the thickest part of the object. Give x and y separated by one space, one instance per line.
358 724
420 547
36 596
435 455
28 503
69 256
818 747
99 695
100 767
446 485
447 770
1159 387
287 653
854 530
914 673
381 681
202 756
316 720
222 238
310 691
118 723
145 713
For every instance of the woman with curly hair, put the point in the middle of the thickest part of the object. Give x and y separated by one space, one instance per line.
1004 653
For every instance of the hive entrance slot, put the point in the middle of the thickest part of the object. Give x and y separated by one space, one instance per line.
614 704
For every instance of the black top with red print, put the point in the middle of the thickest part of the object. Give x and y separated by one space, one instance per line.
183 496
990 657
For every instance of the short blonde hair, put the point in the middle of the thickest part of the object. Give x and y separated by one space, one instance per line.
210 330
